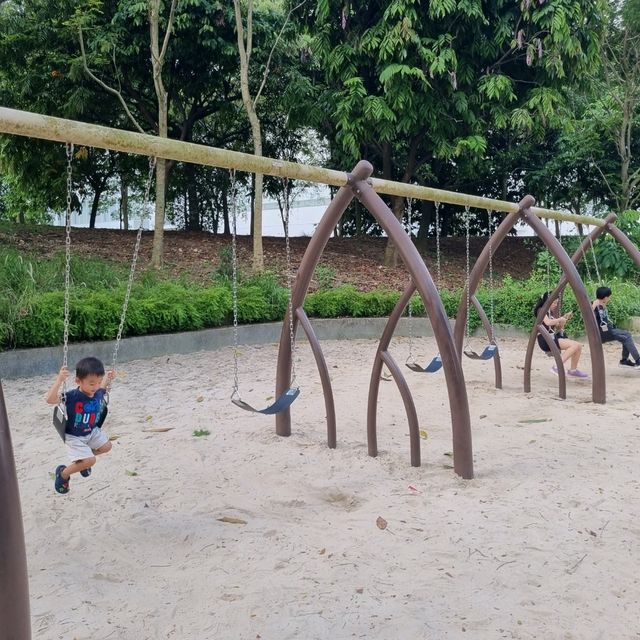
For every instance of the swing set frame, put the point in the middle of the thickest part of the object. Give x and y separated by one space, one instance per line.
14 601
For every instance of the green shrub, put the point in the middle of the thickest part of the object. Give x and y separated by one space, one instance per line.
42 325
332 303
214 305
32 316
95 315
324 276
375 304
252 304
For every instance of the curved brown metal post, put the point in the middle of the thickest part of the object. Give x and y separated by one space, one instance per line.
374 383
497 366
579 253
458 401
299 290
557 356
598 380
14 581
321 363
409 407
490 248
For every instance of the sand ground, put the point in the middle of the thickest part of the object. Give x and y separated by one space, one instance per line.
542 543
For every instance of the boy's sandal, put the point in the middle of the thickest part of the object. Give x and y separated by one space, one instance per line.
61 485
85 473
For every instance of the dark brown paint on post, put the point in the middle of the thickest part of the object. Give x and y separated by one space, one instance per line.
15 618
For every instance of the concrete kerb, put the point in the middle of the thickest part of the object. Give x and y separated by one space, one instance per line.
24 363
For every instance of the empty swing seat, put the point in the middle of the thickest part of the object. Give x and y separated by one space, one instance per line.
432 367
487 353
281 403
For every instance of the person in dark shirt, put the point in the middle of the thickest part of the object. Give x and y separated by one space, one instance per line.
569 349
608 331
85 411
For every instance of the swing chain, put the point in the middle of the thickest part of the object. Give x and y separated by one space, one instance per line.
438 271
234 278
67 264
134 262
467 223
287 212
410 310
491 300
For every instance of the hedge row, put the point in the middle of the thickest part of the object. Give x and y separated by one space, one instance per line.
168 307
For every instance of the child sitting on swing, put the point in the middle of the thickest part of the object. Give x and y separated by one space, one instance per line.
609 331
83 436
555 325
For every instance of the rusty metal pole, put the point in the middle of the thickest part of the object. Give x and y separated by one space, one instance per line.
15 618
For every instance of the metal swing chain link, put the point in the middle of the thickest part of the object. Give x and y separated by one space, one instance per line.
287 212
134 262
491 296
67 265
438 270
410 310
234 278
467 223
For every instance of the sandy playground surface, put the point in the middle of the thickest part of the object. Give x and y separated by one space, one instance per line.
543 543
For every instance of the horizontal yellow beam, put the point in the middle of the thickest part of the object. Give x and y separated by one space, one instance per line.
33 125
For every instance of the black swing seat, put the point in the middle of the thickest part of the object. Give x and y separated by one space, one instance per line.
487 353
432 367
281 403
60 416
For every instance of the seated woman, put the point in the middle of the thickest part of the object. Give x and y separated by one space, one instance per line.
569 349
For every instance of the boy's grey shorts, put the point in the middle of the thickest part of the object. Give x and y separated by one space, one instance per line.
81 447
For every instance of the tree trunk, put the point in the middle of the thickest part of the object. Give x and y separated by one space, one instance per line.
124 204
244 51
398 202
158 233
157 62
427 215
94 209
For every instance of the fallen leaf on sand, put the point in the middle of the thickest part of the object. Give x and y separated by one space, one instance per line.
131 473
113 437
232 520
533 420
157 429
148 418
423 434
200 399
322 551
381 523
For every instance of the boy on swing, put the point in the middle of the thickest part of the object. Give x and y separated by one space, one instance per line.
83 436
609 332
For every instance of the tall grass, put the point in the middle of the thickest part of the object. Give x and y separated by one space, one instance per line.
23 277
